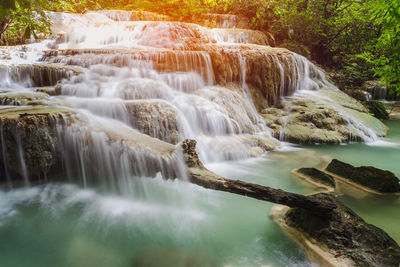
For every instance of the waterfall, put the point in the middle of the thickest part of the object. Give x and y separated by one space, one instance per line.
134 89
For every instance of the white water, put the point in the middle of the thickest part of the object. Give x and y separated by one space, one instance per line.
133 87
140 76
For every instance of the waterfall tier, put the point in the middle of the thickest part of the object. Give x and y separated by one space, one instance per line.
112 94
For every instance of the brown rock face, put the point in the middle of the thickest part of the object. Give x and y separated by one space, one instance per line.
155 118
27 141
269 72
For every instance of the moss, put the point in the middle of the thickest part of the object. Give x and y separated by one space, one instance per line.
378 109
371 177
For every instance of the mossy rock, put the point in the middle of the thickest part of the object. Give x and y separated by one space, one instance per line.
380 180
318 176
346 234
378 109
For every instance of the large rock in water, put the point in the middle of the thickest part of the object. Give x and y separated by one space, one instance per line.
368 176
343 239
327 116
27 140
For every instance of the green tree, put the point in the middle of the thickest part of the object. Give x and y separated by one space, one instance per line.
385 54
21 19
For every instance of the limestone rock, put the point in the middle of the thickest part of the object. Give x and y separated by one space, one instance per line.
37 74
155 118
308 120
28 136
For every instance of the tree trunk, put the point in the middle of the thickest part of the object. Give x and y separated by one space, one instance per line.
199 175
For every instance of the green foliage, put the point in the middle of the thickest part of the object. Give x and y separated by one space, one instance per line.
331 29
21 19
378 109
386 52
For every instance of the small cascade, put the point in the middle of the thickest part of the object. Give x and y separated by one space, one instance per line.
137 34
118 15
119 152
36 75
238 36
217 20
363 127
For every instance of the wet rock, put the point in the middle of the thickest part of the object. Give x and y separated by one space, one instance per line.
37 75
262 68
369 90
155 118
344 237
359 94
28 136
52 91
378 109
318 176
376 179
269 72
22 98
308 120
375 89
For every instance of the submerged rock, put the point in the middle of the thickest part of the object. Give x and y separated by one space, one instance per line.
368 176
317 176
343 239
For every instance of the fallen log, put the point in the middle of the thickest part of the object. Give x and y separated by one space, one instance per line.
200 175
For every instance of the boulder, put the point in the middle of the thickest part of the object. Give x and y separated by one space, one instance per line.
343 239
307 119
373 178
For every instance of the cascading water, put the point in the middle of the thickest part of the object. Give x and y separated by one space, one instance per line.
109 99
160 78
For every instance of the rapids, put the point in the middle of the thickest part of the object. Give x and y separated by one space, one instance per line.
122 89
